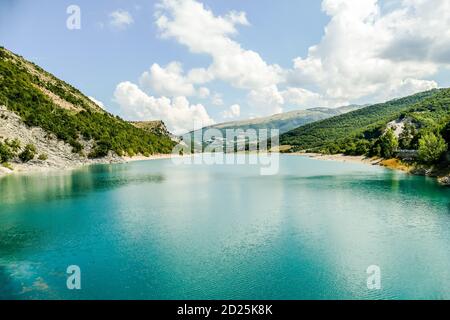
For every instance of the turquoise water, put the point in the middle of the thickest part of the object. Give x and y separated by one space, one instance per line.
153 230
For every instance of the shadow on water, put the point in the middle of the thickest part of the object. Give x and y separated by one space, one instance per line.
14 239
61 185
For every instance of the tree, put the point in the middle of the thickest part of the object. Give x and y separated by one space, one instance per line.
388 144
407 136
446 133
28 153
358 148
431 148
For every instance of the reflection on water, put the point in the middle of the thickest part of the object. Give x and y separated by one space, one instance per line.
51 186
152 230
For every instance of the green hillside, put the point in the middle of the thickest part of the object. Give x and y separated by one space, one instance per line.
42 100
365 131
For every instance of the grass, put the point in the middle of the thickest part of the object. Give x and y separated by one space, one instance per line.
396 164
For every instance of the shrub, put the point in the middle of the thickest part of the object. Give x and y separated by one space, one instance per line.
431 147
76 146
131 152
362 147
14 144
8 166
28 153
101 150
5 153
43 157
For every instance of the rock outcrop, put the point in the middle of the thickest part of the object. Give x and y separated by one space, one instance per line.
445 181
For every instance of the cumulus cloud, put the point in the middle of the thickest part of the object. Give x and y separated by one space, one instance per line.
370 55
304 99
200 76
196 27
233 112
179 115
421 32
267 100
168 81
371 51
357 60
120 19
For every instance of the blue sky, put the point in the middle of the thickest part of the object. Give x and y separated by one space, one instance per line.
261 65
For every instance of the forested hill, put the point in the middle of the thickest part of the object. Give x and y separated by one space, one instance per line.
41 100
423 116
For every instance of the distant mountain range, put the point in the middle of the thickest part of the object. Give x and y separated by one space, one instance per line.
284 121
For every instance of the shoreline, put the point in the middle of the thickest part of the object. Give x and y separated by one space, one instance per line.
150 158
392 164
36 166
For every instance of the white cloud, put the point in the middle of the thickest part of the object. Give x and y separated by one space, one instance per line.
217 100
370 52
266 100
97 102
421 32
120 19
370 55
200 76
179 115
233 112
203 92
168 81
304 99
196 27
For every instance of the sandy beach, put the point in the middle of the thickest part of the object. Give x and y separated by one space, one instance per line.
339 157
152 157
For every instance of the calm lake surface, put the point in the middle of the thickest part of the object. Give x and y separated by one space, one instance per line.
154 230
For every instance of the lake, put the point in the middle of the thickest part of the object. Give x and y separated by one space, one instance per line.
156 230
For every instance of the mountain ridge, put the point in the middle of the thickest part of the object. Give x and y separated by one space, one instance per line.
57 114
284 121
